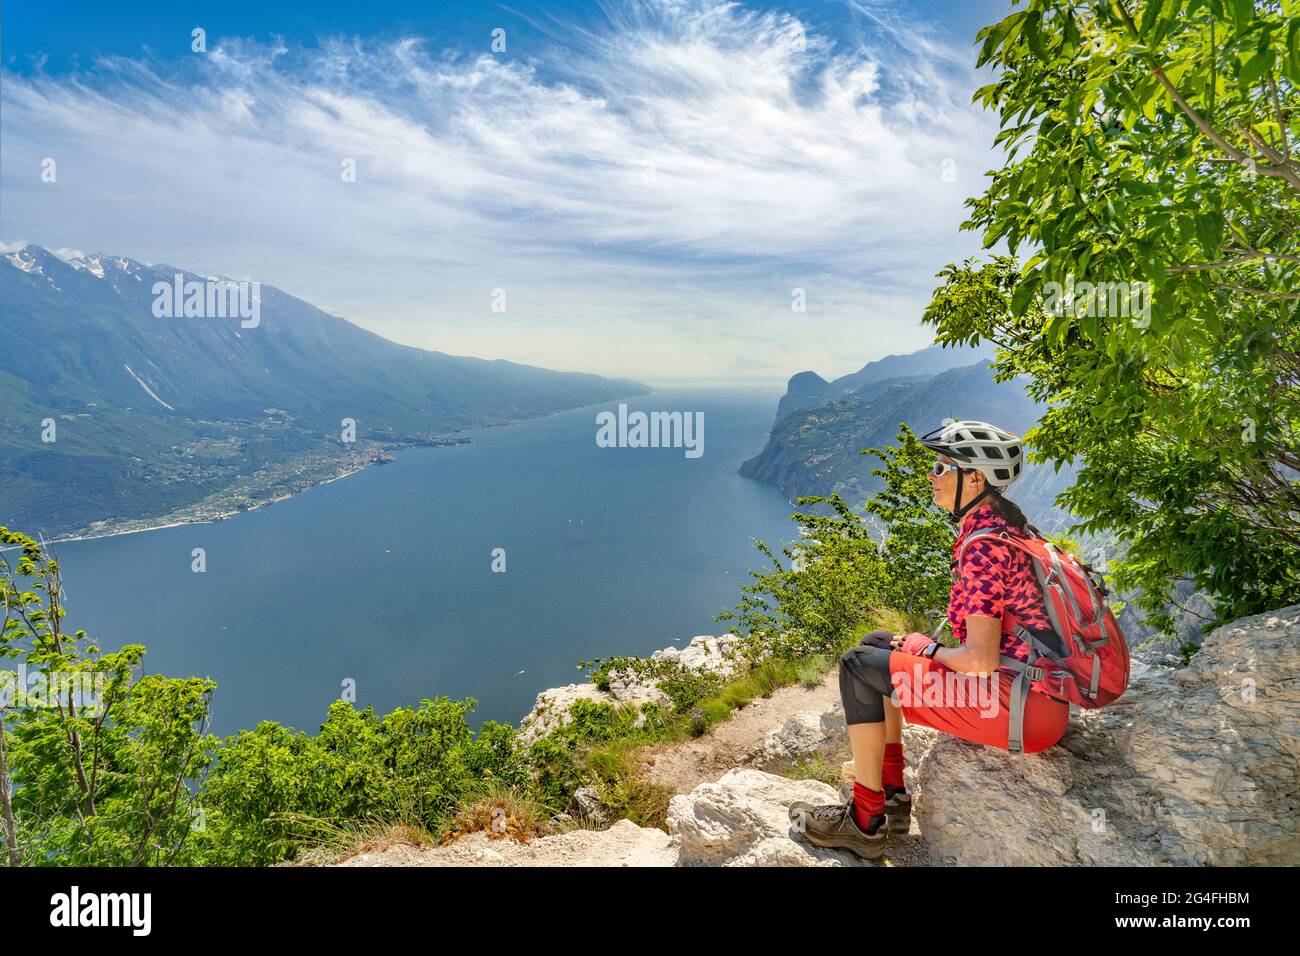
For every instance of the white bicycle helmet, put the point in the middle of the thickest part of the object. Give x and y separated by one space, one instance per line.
992 451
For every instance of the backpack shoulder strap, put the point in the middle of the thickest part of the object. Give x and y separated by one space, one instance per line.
982 533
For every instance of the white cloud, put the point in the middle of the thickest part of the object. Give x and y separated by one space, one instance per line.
648 192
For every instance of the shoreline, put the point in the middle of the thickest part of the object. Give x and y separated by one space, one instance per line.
171 522
209 519
162 523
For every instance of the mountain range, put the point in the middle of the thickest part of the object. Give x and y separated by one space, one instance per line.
153 414
821 427
808 389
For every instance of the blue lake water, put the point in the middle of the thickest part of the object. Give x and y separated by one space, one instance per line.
386 577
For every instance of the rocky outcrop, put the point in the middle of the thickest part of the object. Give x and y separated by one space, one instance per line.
816 449
743 820
551 711
804 734
703 653
1199 765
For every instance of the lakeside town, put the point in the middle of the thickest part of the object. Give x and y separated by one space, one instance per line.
273 483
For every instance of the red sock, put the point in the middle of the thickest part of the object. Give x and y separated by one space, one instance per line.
892 773
867 804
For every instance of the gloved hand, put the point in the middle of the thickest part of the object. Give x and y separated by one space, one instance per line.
883 639
914 643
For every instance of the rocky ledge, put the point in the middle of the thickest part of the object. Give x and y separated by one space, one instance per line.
551 711
1198 765
1193 766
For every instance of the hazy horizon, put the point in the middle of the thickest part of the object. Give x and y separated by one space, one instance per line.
774 386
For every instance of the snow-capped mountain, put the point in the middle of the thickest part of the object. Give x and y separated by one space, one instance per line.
134 361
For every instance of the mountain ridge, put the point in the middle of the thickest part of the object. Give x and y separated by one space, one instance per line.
154 414
808 389
814 451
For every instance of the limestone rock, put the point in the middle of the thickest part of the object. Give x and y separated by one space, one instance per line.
1193 766
551 711
623 844
743 820
1221 739
588 805
804 734
703 653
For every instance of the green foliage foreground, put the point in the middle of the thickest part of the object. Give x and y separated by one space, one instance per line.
102 767
1152 187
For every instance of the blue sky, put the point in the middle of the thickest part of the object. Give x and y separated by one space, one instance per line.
647 181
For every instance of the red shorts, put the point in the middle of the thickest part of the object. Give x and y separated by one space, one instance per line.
965 705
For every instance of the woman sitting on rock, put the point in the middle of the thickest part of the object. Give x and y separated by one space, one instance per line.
965 691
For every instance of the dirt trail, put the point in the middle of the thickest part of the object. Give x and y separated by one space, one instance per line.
738 742
735 742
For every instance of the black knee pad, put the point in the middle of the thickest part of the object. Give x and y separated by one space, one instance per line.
864 684
877 639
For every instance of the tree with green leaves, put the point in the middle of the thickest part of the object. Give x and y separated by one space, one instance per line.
917 548
100 761
273 789
1152 189
828 585
848 568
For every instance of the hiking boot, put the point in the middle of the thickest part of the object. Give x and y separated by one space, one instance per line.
835 828
898 806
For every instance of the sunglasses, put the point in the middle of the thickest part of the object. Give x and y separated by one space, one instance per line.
940 469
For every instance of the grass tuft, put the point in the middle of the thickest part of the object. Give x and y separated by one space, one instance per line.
339 843
499 812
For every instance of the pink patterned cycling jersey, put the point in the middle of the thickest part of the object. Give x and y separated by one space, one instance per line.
995 580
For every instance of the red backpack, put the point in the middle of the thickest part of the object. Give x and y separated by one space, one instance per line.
1084 659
